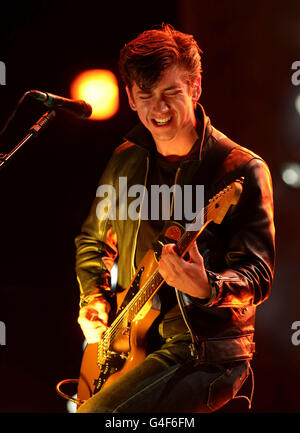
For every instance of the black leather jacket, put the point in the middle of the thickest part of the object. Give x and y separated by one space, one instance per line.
238 253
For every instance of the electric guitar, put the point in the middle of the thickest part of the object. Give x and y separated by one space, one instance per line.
123 344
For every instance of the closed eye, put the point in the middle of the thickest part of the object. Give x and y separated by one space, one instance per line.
174 93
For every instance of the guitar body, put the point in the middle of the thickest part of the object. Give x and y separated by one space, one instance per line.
88 372
138 347
130 341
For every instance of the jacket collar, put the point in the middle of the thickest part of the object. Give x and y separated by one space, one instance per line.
141 136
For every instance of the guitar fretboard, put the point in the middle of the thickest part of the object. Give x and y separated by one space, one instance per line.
128 314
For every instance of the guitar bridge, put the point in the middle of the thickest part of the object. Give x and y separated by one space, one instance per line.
112 354
114 362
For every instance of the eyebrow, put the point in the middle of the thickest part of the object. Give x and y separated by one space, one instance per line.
140 92
173 87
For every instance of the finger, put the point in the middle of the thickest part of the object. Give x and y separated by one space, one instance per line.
169 256
170 271
195 256
92 326
168 249
103 324
90 317
92 339
100 305
92 330
103 317
90 314
92 335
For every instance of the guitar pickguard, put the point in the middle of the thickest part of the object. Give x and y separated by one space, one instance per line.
114 363
132 291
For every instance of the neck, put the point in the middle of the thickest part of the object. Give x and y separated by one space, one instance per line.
179 146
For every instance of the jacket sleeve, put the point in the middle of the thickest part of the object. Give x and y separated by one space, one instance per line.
250 254
95 258
96 246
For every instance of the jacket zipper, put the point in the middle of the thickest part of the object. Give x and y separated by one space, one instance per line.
175 183
139 221
193 345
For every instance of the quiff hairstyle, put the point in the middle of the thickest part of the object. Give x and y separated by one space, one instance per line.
145 58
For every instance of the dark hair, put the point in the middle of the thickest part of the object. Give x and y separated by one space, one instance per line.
144 59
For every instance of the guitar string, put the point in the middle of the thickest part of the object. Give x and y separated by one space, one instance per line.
143 290
119 319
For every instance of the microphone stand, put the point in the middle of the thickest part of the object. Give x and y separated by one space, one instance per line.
33 132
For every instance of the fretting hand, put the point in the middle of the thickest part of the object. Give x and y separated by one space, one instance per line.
187 276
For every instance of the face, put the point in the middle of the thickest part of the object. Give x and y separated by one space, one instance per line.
167 110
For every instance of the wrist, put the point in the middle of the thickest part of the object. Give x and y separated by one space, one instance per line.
86 299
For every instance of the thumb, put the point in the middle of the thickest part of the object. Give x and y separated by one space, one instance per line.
195 256
103 317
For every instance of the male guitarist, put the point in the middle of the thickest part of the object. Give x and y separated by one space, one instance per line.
200 342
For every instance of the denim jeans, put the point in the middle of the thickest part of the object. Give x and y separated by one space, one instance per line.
169 381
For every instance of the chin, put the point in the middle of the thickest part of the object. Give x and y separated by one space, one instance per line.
164 136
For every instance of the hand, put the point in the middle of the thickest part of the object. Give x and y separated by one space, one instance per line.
188 277
93 319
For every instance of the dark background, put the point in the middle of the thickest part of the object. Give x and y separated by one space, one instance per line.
47 190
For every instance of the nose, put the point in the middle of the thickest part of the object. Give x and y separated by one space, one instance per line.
161 106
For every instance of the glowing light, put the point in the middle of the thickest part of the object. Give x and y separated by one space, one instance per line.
290 174
297 104
71 406
114 276
98 87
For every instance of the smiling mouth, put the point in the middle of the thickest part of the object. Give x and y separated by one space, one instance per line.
162 122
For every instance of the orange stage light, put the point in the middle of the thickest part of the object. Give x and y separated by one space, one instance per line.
98 87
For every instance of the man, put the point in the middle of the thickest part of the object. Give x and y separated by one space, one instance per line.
201 343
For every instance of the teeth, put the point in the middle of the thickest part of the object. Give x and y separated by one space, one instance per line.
162 121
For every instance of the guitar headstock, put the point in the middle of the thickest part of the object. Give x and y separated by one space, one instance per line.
218 205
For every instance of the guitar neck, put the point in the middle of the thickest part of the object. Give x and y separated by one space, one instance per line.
191 234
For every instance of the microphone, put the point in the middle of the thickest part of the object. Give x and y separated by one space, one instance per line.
78 107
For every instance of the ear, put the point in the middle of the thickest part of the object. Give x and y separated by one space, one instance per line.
196 90
130 99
